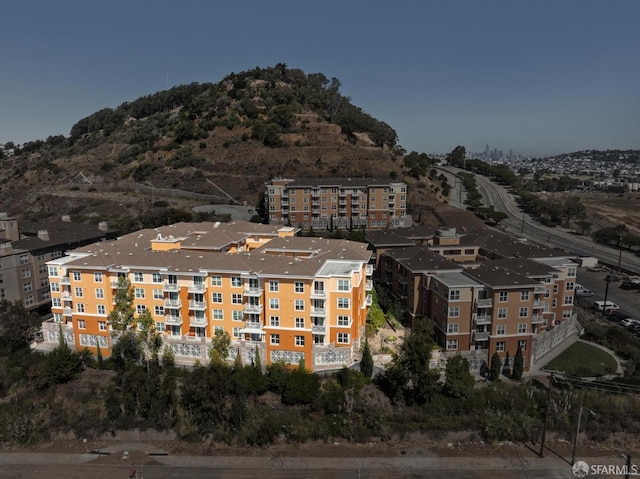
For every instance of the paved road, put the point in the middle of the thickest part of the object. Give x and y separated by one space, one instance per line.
522 224
627 300
175 467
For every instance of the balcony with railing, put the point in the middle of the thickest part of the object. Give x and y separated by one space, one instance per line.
192 338
67 312
368 300
172 303
66 296
170 286
319 328
173 319
368 270
253 327
250 308
368 285
197 305
318 311
537 319
482 319
318 293
197 321
481 336
539 289
252 290
538 305
196 288
485 303
65 280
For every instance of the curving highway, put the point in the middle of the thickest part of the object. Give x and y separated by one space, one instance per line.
521 224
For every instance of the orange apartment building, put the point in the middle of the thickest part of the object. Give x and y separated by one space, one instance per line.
285 297
477 304
327 203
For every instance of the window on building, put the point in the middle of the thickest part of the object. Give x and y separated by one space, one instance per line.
53 271
77 276
454 295
139 293
555 289
24 259
554 303
571 272
141 308
500 346
237 315
236 332
566 314
524 312
343 338
570 286
138 277
452 344
523 344
236 298
274 339
42 269
568 300
216 280
502 313
218 330
274 321
81 324
158 294
299 340
46 295
344 285
344 303
453 327
78 292
299 304
26 273
99 293
80 307
522 328
299 287
274 286
97 277
453 312
217 314
236 281
102 325
501 329
216 297
55 287
503 297
161 327
274 303
158 310
28 301
524 295
55 302
344 320
26 287
299 323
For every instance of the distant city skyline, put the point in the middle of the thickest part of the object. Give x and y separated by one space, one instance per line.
536 78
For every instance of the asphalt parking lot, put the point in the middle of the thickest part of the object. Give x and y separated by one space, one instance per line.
627 300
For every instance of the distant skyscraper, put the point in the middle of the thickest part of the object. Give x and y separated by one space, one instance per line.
486 151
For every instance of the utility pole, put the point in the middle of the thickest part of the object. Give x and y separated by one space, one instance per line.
522 227
606 293
546 417
620 255
575 440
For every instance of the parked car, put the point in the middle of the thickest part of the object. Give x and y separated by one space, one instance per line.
617 315
583 293
612 278
630 284
627 322
604 306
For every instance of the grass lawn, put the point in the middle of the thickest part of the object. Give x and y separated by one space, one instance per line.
582 359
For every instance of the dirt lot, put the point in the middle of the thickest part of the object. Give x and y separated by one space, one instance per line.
608 209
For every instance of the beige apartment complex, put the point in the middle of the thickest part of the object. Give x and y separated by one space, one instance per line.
283 297
485 292
25 249
340 203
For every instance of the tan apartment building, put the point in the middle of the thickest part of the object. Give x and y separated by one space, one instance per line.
283 297
340 203
26 247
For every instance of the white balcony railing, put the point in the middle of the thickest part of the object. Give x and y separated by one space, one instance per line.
172 303
368 270
66 296
196 288
538 305
368 300
252 308
197 321
482 319
485 303
368 285
172 319
197 305
537 319
316 311
67 312
256 325
319 328
171 287
481 336
318 293
252 291
65 280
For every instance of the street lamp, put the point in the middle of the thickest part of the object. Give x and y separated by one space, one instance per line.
575 441
606 293
620 248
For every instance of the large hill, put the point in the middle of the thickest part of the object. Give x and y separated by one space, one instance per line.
222 141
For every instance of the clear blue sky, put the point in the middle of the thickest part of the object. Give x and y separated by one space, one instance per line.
539 77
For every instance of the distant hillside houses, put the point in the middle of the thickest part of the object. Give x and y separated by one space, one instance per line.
7 151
